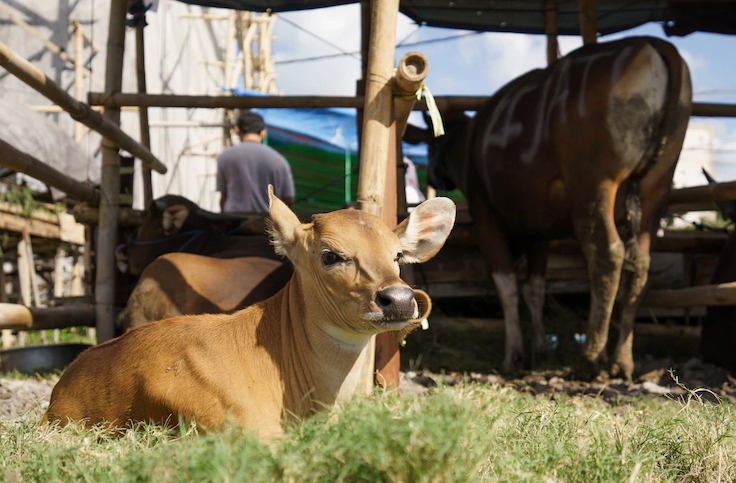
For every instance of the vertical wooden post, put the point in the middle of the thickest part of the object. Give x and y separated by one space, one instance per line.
588 28
59 282
24 282
109 181
550 28
378 148
78 74
140 63
7 334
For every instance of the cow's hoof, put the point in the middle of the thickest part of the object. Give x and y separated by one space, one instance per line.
513 364
586 370
623 369
539 357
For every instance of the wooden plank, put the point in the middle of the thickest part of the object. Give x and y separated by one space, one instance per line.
708 295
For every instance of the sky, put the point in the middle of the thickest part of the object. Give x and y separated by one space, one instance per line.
468 63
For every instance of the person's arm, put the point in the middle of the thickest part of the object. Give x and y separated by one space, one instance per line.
223 199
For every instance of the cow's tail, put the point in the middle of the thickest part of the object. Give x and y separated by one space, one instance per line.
678 106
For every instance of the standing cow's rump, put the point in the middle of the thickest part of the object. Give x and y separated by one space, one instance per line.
295 353
586 147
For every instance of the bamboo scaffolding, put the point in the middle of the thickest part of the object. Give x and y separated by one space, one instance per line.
465 103
17 160
140 64
110 181
79 111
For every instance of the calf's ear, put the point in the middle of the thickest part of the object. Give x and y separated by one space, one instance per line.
284 227
424 232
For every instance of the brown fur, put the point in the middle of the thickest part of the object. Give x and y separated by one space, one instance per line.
182 283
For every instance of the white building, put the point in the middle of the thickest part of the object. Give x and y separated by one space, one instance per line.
696 155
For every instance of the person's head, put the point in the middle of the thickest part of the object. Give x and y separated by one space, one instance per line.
250 122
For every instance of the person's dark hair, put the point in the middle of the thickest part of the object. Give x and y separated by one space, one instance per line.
250 122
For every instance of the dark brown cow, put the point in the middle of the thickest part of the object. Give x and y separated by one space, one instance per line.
175 224
585 147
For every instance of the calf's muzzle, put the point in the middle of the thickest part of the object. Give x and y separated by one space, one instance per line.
396 302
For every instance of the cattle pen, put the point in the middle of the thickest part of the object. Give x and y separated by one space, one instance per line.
383 114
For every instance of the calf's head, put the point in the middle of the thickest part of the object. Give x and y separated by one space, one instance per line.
347 262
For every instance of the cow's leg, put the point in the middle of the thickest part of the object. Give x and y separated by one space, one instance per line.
495 248
533 292
604 253
643 217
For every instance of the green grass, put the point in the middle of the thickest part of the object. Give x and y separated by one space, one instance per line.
466 433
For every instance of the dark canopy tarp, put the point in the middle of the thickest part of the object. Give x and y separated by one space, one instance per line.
678 17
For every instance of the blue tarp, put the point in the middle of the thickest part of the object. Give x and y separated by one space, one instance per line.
329 129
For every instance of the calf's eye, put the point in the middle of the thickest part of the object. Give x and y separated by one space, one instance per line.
329 258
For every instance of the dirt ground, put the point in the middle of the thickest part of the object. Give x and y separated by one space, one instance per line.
654 377
460 347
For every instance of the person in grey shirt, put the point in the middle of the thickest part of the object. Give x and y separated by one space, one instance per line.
245 170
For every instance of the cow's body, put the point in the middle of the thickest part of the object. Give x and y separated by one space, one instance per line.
574 149
182 284
295 353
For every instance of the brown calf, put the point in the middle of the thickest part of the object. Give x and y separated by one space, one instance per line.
293 354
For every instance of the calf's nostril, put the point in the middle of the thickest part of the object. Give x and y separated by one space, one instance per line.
396 302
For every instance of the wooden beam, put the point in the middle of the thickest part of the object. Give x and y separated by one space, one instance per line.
79 111
704 295
709 193
588 20
550 28
19 317
465 103
140 64
110 181
17 160
377 154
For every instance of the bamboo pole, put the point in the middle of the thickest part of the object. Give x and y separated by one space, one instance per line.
17 160
377 149
377 106
121 100
19 317
52 47
408 80
90 215
588 28
140 63
550 28
110 181
78 74
59 283
410 74
444 103
7 334
710 193
79 111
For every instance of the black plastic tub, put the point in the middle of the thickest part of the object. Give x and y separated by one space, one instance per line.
39 358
